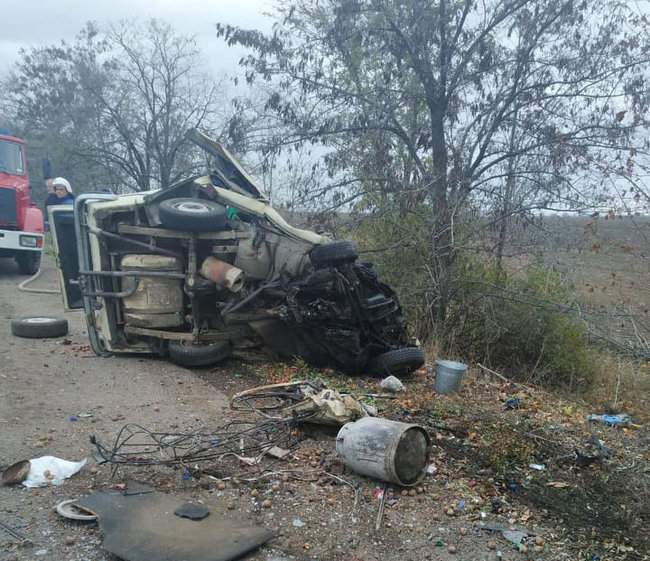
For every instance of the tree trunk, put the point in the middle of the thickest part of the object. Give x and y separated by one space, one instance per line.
506 207
504 223
441 234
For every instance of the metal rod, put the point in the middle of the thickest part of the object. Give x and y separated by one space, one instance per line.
104 294
163 274
14 533
382 504
149 246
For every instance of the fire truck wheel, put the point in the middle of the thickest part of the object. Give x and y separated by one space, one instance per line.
29 262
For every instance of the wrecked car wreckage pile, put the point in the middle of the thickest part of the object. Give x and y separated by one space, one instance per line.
207 269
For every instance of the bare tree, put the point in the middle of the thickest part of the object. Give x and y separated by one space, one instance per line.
120 99
437 90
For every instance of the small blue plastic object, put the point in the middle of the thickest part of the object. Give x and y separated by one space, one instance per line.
513 403
620 420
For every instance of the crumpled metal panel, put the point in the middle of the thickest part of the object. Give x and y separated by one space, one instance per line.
144 527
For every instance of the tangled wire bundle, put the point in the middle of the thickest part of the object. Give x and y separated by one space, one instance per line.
138 446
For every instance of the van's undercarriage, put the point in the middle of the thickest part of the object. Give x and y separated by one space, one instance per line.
203 271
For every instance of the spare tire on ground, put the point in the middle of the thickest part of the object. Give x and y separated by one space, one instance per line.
399 362
192 215
39 327
187 354
333 253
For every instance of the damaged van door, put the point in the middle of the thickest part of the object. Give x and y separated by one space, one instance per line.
62 226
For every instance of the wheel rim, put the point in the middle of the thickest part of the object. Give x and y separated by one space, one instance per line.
192 208
38 320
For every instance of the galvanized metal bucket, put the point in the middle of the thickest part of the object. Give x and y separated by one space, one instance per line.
386 450
449 375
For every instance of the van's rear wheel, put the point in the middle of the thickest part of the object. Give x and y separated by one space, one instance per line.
29 262
187 354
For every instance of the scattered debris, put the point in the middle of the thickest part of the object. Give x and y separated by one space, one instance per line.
514 536
71 510
386 450
192 511
13 533
304 401
297 523
328 407
244 440
382 505
513 403
620 420
537 467
144 527
46 470
558 484
133 488
277 452
392 384
16 473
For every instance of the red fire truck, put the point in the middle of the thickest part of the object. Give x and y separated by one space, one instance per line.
21 222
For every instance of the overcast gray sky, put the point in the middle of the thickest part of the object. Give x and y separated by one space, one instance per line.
25 23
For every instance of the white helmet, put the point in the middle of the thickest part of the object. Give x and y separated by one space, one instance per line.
62 182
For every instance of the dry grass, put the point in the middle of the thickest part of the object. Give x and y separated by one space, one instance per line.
621 385
607 502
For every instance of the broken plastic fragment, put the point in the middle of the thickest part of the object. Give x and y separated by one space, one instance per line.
514 536
622 419
192 511
48 470
392 384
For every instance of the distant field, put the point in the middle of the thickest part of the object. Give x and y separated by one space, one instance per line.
606 261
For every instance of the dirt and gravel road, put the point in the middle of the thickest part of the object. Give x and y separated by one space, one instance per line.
46 382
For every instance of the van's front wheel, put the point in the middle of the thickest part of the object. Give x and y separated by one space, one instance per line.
187 354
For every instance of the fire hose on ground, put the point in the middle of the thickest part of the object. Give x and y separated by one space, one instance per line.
23 285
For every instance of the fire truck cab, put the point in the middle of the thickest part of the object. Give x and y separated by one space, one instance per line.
21 222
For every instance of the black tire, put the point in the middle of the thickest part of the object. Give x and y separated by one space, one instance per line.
29 262
333 253
198 355
400 362
39 327
192 215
